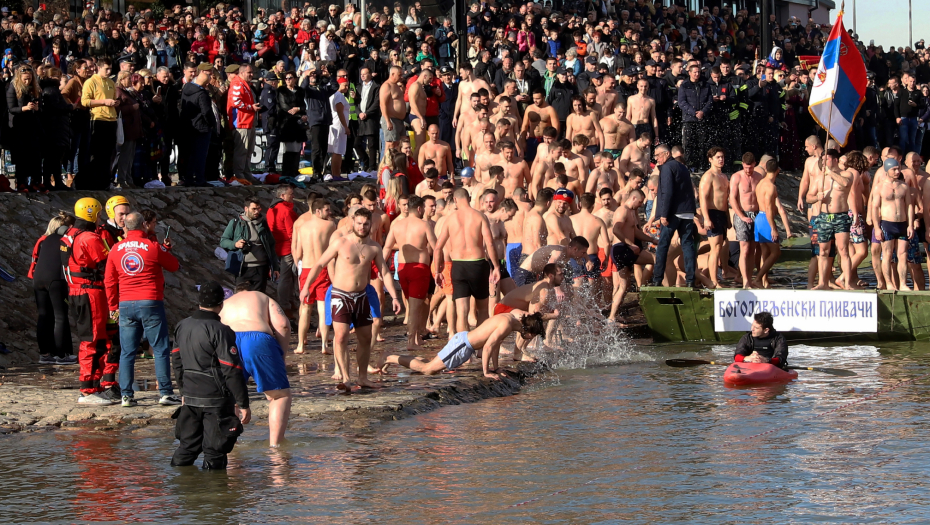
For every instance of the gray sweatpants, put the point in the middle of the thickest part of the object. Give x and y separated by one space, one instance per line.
243 144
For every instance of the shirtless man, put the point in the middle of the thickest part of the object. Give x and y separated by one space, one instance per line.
469 235
745 207
642 109
467 85
607 96
832 193
603 175
533 262
859 234
436 150
533 298
626 253
894 208
353 255
576 165
430 184
393 109
418 93
516 172
262 334
312 232
514 228
594 230
636 154
547 117
415 241
467 117
583 121
618 132
487 157
558 222
912 169
493 183
765 231
713 191
473 136
535 232
545 169
505 110
497 217
488 336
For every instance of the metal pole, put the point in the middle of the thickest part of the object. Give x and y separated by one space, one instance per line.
363 9
854 17
764 28
910 25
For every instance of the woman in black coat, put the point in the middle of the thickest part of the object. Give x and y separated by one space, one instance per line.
22 100
292 118
56 127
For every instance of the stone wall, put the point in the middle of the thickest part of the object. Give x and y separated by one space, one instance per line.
197 218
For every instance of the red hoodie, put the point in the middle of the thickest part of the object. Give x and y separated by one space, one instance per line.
134 270
280 218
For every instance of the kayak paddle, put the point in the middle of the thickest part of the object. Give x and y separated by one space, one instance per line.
698 362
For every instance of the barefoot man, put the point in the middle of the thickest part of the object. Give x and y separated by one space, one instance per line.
312 232
585 122
350 306
766 232
532 298
417 118
488 336
713 192
262 334
642 109
393 109
592 228
558 222
893 210
636 154
626 253
437 151
745 207
514 229
834 220
415 240
547 117
618 132
516 172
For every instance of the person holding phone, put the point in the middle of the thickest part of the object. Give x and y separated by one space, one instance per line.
22 99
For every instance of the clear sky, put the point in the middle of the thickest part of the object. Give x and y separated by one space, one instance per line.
885 21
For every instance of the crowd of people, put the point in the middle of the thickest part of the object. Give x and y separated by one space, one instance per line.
548 162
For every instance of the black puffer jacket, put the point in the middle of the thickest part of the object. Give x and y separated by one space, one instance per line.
207 365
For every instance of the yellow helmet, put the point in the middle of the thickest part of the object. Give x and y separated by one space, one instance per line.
113 202
87 209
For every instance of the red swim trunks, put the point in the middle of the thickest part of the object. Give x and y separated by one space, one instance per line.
318 287
501 308
414 280
611 267
375 271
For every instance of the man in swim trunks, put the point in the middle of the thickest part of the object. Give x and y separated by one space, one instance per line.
469 235
415 241
262 334
393 109
514 229
312 232
834 219
417 95
546 116
713 192
618 131
594 230
350 304
763 344
533 263
626 256
766 234
488 336
894 210
497 217
744 205
642 110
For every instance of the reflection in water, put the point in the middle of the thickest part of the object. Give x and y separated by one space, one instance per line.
655 445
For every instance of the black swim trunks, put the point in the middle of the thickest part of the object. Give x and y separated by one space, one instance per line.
623 256
719 220
894 230
470 279
350 307
504 273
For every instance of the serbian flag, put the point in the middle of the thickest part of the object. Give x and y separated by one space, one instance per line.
839 86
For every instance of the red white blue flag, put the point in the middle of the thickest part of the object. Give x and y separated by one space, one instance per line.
839 86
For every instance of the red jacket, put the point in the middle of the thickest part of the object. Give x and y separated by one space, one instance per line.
280 218
87 260
239 104
134 270
432 100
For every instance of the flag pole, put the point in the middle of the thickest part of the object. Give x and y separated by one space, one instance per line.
830 118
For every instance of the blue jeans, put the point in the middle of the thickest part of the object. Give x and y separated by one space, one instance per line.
79 151
685 229
907 130
138 319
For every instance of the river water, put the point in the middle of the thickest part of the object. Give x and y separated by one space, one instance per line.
634 442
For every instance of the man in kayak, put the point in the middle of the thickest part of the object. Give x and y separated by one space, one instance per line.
763 344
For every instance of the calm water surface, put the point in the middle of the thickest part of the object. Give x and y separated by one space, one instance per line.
638 442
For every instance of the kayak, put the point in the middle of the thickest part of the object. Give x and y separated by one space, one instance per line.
757 374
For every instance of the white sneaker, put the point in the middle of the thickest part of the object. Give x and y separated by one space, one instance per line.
169 400
95 399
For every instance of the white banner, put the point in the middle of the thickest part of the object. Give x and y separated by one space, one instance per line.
797 310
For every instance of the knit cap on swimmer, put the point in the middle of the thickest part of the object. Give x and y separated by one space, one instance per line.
211 295
563 194
891 163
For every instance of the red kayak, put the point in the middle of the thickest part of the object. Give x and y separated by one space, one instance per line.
742 374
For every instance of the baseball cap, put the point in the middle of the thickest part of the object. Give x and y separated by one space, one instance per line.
891 163
561 71
590 60
651 63
594 74
211 295
629 72
269 75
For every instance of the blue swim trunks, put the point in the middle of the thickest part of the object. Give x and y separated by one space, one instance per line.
263 359
457 351
373 302
763 230
512 254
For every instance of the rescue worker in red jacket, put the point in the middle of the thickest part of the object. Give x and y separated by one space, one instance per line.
84 258
280 218
111 231
135 285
